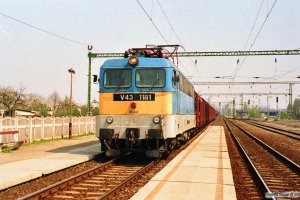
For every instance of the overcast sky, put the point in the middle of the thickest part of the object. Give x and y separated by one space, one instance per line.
40 61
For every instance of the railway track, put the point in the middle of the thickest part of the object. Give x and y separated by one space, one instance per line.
98 183
245 187
272 171
108 181
287 133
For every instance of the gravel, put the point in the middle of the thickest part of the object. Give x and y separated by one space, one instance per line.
288 146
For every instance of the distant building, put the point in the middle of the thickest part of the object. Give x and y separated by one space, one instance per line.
50 112
24 113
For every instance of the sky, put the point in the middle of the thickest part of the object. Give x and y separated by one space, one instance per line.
39 61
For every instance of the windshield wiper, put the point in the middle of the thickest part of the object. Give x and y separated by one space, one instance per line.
156 81
119 84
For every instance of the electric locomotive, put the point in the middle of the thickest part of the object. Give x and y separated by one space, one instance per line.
145 103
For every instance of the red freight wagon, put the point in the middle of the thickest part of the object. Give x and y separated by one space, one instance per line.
204 112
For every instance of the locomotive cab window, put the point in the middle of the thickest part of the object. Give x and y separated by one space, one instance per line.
117 78
151 78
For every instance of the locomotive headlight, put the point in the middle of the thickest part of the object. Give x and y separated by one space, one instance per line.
156 119
133 61
109 120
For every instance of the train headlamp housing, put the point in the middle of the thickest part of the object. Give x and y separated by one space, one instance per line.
133 61
109 120
156 119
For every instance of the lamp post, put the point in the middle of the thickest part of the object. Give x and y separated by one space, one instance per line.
71 71
258 103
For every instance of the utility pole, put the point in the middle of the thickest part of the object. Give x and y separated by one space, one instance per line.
277 107
268 115
71 71
233 110
242 105
258 104
89 81
290 111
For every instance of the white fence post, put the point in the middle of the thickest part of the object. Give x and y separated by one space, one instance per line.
43 128
79 122
1 122
31 126
63 127
16 135
53 127
30 130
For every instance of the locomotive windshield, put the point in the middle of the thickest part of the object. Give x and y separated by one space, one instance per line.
117 78
150 78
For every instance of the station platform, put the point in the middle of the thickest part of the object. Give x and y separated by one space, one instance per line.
50 159
201 171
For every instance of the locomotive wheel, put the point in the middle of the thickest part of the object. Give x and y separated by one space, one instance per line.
171 143
165 154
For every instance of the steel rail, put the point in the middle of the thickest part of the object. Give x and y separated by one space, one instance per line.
253 169
67 182
52 189
121 186
287 133
289 163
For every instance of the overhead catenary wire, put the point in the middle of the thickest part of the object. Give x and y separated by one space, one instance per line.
176 35
45 31
263 24
238 66
285 73
169 22
150 18
262 2
257 35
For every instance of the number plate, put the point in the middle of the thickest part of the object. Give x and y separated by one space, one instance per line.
134 97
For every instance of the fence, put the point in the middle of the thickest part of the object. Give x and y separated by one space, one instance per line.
38 128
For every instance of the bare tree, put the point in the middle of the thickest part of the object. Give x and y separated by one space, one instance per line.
54 100
11 98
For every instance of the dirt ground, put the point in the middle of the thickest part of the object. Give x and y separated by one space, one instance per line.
32 151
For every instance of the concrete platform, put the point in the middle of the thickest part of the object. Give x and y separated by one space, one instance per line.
14 173
202 171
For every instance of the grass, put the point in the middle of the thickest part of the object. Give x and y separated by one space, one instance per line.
8 148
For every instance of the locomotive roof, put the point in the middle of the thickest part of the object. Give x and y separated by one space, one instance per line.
146 62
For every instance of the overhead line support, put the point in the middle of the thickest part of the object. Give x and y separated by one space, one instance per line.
245 94
186 54
210 53
247 83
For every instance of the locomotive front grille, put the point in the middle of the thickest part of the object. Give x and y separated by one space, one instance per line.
155 133
106 133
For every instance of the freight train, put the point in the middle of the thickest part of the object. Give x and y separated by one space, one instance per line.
147 104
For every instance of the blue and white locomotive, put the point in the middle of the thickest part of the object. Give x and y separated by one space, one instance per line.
145 104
